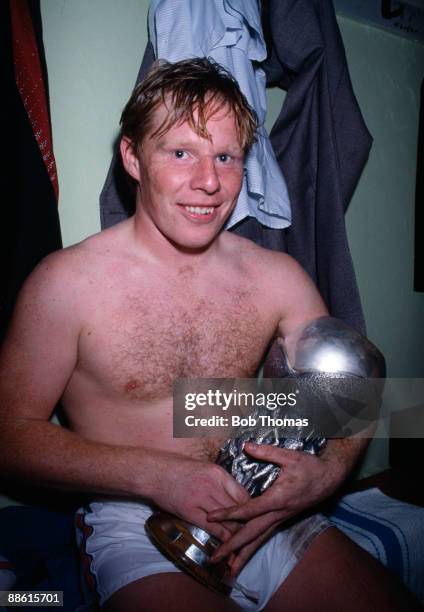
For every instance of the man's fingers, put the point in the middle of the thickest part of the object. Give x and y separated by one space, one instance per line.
253 508
231 526
272 454
251 531
237 562
236 492
219 500
220 530
231 558
234 513
241 559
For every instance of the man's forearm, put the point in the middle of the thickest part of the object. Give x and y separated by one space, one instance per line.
342 455
42 453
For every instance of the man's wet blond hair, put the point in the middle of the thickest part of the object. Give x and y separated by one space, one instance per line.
193 90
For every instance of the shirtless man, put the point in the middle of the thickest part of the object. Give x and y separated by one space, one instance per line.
107 326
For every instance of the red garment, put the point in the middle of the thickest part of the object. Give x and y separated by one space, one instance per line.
30 84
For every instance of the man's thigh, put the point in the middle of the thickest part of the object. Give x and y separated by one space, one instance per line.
167 592
335 574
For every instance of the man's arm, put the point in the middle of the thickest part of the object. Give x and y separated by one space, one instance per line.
304 480
36 362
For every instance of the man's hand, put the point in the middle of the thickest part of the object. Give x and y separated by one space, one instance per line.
191 489
304 481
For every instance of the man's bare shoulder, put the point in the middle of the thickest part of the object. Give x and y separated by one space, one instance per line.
81 259
63 280
280 279
248 254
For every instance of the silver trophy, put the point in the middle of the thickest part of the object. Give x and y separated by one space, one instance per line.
321 350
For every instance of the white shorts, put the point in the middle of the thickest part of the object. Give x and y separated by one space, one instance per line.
115 551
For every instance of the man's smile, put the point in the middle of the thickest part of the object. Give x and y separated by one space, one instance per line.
200 212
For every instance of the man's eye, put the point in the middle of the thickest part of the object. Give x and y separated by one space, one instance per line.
224 158
179 154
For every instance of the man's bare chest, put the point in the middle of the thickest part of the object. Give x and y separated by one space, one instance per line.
139 345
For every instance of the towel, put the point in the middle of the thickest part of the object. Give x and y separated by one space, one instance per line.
390 530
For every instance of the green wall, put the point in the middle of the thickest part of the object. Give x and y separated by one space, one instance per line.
387 72
93 51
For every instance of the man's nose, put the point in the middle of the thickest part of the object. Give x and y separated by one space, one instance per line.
205 175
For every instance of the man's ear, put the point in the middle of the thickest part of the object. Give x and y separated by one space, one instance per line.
129 158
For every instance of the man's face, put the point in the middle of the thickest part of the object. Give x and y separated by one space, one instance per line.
188 184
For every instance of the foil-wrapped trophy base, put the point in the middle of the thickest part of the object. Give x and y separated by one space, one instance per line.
190 548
